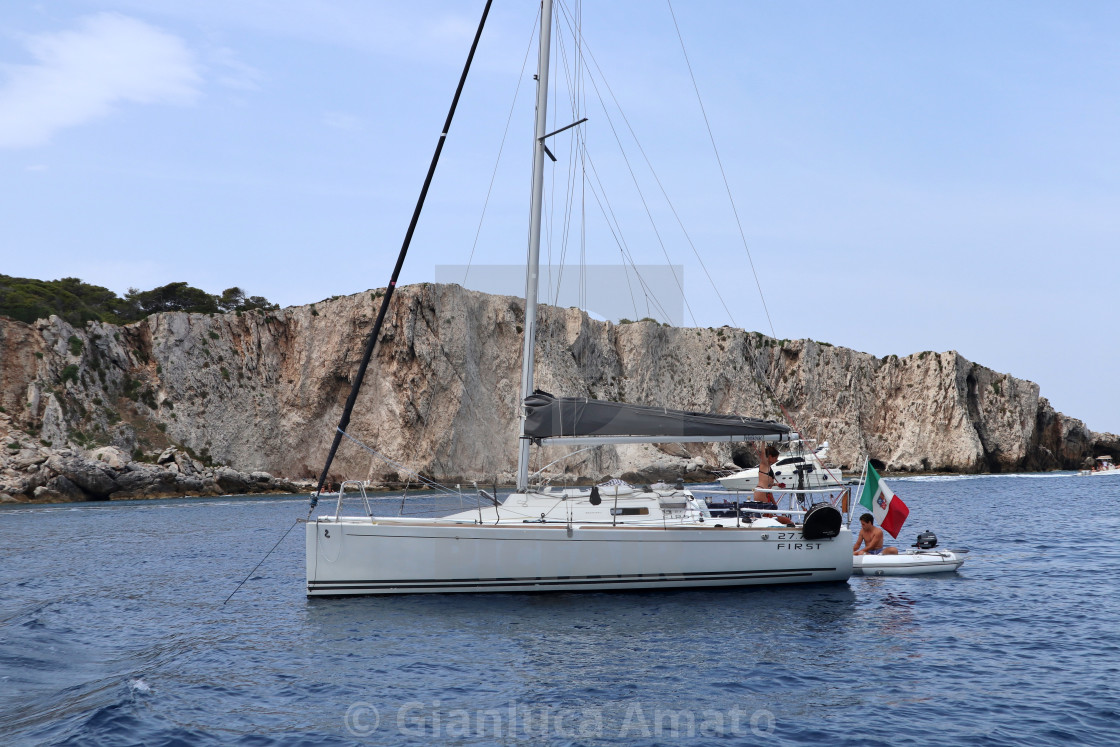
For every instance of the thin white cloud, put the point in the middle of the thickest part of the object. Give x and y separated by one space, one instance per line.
82 74
232 72
342 121
429 31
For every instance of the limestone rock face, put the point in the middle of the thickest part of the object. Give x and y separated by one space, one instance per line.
88 474
209 404
111 455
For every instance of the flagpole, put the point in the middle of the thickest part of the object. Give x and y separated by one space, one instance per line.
862 476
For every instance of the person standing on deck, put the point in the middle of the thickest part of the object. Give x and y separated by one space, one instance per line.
766 459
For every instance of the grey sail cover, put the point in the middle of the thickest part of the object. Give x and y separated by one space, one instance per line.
554 417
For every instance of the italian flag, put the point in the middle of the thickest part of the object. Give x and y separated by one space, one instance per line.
887 508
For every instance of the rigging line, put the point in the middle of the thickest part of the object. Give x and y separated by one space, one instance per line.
570 196
647 293
419 478
661 186
549 194
623 249
465 392
620 240
583 197
763 382
569 188
471 406
404 494
760 375
633 176
561 60
502 145
569 213
641 195
722 172
572 82
547 203
371 342
616 234
622 252
581 145
258 565
569 455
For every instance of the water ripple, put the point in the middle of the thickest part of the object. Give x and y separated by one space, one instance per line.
119 636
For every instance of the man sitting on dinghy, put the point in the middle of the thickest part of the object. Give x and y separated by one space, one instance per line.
871 537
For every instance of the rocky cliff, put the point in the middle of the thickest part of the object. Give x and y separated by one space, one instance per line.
196 403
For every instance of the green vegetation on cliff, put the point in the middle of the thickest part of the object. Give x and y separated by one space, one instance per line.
27 299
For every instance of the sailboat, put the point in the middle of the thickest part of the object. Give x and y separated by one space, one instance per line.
539 539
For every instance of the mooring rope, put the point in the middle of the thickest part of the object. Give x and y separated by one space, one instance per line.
400 467
258 565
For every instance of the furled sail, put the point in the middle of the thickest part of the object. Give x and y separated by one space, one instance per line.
591 420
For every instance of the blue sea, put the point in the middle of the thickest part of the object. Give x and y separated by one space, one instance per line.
114 631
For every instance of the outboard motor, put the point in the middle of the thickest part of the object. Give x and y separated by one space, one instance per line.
927 540
822 521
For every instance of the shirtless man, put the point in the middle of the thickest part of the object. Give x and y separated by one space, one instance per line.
871 537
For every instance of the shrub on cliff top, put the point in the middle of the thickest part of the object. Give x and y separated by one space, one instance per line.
28 299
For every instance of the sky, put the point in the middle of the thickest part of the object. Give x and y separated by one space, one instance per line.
906 176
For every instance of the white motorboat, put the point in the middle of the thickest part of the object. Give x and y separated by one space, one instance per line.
798 468
538 539
908 563
1103 467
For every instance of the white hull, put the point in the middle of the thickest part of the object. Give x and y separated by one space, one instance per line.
748 479
393 556
1102 467
911 563
785 476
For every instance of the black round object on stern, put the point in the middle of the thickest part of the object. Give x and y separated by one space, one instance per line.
927 540
822 521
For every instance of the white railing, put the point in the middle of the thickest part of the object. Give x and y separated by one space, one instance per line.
837 493
360 485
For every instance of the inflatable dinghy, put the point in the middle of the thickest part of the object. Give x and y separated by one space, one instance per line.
908 563
925 559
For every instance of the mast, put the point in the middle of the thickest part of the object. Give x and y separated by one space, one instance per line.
532 273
